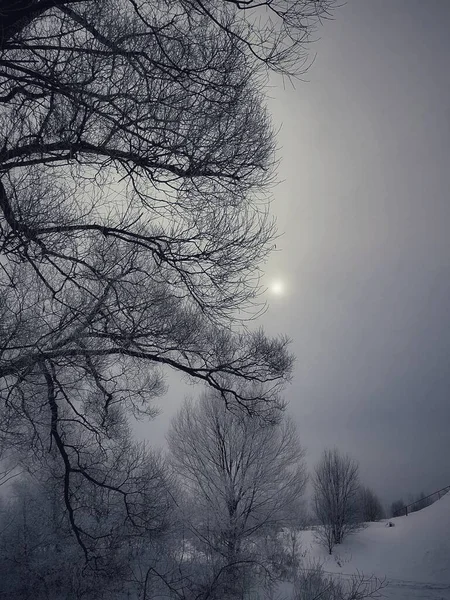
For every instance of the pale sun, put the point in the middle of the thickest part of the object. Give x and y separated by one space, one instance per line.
277 288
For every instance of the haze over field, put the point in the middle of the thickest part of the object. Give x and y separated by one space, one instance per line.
413 556
364 261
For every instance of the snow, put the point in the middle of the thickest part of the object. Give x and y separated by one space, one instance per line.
414 555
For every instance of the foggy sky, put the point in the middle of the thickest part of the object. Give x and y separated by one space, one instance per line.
365 210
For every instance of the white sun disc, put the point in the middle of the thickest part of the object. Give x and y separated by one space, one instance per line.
277 288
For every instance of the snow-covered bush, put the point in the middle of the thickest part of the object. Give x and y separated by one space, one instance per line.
313 583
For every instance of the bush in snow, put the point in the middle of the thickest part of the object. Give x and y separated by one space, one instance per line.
312 583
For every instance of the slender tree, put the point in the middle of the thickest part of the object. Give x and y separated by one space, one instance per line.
370 505
335 500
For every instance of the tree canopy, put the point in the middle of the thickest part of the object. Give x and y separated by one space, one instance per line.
136 163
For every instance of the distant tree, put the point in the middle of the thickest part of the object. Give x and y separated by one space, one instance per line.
398 508
112 490
335 497
40 555
246 479
421 502
370 505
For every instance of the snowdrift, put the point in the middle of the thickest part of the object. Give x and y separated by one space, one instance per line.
413 555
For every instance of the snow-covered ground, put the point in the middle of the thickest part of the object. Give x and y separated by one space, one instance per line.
414 555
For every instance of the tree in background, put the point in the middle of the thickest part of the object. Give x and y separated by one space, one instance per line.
136 159
370 505
398 508
245 479
335 497
421 502
111 486
40 555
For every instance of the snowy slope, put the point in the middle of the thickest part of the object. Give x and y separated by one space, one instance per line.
414 555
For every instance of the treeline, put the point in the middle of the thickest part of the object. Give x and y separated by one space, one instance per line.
420 501
216 517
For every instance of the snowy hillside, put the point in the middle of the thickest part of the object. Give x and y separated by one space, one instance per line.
414 555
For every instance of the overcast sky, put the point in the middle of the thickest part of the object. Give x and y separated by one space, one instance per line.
365 256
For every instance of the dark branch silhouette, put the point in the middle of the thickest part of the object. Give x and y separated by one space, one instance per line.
136 165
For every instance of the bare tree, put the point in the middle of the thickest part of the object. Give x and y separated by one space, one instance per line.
39 553
136 159
398 508
335 500
93 460
370 505
8 472
421 502
245 477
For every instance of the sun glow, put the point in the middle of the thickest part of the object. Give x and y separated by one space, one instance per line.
277 288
